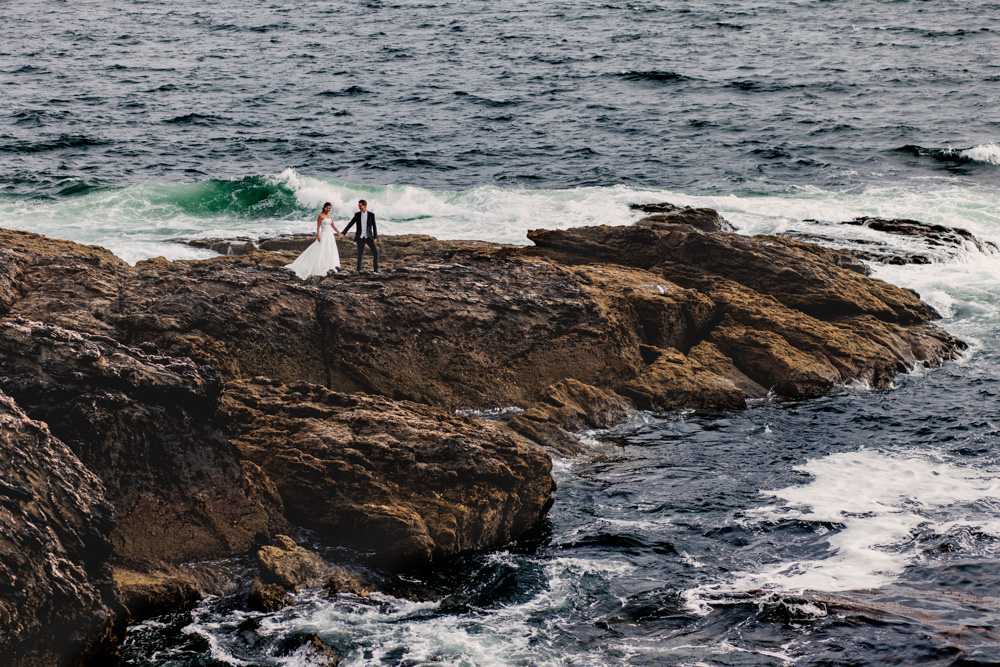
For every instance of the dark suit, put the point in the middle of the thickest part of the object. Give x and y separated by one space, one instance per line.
368 240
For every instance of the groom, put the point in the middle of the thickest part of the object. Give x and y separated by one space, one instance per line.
366 233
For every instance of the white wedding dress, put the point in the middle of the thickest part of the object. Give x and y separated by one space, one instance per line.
321 256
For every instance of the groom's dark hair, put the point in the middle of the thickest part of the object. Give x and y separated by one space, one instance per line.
362 201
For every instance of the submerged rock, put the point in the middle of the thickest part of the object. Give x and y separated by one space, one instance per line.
314 651
929 243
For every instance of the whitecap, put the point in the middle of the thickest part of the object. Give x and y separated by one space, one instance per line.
989 153
876 502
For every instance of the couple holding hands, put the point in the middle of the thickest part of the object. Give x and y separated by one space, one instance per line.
323 256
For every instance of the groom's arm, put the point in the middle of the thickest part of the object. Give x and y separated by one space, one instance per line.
349 225
374 228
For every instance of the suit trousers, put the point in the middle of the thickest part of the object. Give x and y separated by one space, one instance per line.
362 242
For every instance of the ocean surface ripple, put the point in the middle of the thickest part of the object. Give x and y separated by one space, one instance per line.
861 528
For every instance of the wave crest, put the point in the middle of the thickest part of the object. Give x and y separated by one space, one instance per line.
983 153
988 153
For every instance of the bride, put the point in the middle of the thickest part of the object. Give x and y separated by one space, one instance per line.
322 255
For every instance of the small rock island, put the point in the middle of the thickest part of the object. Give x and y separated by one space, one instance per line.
174 413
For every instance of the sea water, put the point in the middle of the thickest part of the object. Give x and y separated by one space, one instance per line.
859 528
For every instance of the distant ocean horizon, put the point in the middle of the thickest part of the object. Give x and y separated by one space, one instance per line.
853 529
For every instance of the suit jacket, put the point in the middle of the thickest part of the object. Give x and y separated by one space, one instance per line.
356 220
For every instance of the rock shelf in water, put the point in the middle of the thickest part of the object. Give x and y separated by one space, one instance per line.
181 411
928 243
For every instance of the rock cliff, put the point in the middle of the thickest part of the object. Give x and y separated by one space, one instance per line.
407 482
57 596
149 427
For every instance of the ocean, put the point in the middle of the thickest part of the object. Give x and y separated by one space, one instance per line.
859 528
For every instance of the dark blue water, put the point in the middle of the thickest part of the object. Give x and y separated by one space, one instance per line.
447 95
857 529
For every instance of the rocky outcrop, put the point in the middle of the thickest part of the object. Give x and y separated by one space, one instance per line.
659 312
928 243
314 651
57 597
149 427
285 567
409 483
215 402
784 317
705 219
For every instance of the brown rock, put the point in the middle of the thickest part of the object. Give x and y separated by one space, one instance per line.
285 566
705 219
62 279
57 597
569 405
290 566
317 652
709 356
471 325
148 426
674 380
799 279
267 597
411 483
152 589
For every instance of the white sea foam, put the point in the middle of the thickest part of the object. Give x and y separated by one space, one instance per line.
487 212
388 630
877 501
142 220
989 153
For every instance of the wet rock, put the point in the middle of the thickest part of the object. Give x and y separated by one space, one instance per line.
845 259
292 243
410 483
236 246
674 380
786 317
933 235
569 405
799 279
290 566
317 652
150 428
151 589
705 219
285 567
57 596
267 597
924 243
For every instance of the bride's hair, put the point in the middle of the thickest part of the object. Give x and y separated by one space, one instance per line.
327 204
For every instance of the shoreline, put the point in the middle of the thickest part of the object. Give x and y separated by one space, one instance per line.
217 404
